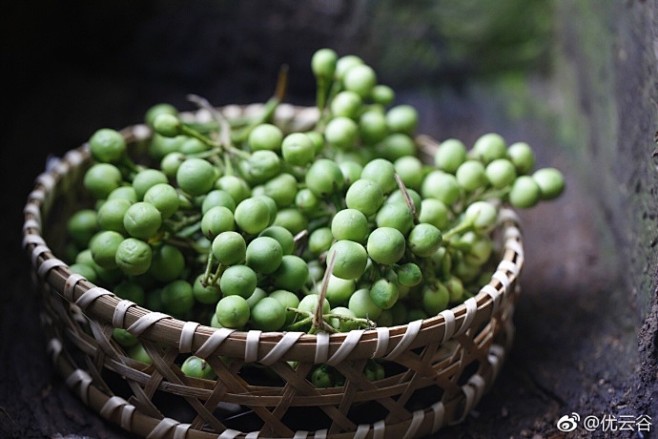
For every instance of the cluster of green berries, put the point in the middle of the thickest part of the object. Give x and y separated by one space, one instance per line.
248 225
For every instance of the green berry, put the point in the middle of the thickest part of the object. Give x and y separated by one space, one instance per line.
525 192
402 119
323 63
372 127
142 220
350 259
261 166
101 179
158 109
104 247
111 213
450 155
363 306
346 104
238 280
133 256
434 212
164 197
233 312
409 274
289 300
435 298
489 147
424 240
252 215
320 240
229 248
382 172
501 173
396 215
482 215
298 149
397 145
550 182
177 297
216 220
206 294
282 189
124 338
441 186
386 245
345 63
324 177
382 94
167 263
268 314
124 193
264 254
471 175
350 224
195 367
167 125
107 146
384 293
217 197
196 176
410 169
291 219
235 186
522 157
291 274
341 132
339 290
360 79
265 137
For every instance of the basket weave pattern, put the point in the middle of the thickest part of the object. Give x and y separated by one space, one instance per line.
440 367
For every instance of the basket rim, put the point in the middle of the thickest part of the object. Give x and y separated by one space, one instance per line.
190 336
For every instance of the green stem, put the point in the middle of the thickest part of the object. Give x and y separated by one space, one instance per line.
407 198
459 228
185 243
217 274
300 324
361 322
269 108
206 274
324 114
189 131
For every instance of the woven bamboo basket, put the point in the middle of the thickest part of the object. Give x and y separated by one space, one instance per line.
439 367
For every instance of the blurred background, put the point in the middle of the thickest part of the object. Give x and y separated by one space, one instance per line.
573 79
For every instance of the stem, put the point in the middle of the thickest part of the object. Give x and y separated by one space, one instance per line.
206 273
269 108
318 319
218 273
322 92
324 114
459 228
407 197
176 226
364 323
189 131
308 319
129 164
185 243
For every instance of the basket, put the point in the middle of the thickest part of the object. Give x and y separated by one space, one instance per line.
441 366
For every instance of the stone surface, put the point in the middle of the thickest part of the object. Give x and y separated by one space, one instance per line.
586 323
